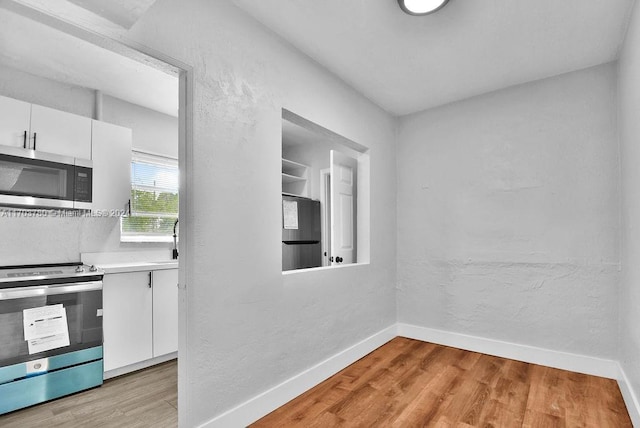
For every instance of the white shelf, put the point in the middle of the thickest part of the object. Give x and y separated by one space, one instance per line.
294 178
293 164
286 178
294 168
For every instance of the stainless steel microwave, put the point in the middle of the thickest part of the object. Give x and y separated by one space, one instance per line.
34 179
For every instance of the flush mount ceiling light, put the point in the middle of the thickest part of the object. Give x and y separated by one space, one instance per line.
421 7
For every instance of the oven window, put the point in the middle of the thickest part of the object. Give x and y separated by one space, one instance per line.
84 324
34 178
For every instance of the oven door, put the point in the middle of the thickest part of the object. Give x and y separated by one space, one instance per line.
82 303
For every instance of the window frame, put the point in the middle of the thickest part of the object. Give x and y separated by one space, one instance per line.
159 160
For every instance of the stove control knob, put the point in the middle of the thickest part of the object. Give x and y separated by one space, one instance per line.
93 268
80 269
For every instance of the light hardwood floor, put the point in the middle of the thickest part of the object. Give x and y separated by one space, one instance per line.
147 398
407 383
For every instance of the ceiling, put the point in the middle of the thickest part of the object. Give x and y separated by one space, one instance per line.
124 13
402 63
108 17
43 51
407 64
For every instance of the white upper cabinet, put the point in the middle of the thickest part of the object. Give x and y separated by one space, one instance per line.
111 149
15 117
59 132
35 127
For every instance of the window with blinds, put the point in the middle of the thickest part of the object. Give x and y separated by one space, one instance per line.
154 197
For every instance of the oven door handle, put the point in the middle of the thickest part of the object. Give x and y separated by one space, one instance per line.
47 290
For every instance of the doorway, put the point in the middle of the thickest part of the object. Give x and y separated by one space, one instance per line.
49 23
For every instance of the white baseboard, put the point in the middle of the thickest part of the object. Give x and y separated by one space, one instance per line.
263 404
139 366
630 397
529 354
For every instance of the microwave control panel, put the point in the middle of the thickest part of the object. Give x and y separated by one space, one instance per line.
83 184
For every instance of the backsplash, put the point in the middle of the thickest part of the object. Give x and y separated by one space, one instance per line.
46 239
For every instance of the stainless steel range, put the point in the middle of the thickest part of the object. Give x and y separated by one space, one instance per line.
50 332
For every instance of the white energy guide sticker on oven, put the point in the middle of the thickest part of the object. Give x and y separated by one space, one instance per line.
45 328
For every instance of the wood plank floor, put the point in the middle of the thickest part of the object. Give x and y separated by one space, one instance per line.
408 383
405 383
147 398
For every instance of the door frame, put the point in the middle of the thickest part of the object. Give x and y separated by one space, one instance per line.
325 214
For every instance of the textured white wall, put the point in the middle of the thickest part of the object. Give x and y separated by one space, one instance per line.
24 86
153 131
508 217
629 94
248 326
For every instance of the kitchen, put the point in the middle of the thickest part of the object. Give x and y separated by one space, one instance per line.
459 194
80 104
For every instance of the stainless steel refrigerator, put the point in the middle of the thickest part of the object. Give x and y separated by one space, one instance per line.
301 233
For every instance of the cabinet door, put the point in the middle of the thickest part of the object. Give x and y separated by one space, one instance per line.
165 311
59 132
15 116
127 304
111 151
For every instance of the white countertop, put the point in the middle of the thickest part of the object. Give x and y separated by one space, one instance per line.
137 266
130 261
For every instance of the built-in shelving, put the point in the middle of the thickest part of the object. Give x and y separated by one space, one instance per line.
294 178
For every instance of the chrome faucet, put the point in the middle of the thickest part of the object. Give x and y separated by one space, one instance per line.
175 241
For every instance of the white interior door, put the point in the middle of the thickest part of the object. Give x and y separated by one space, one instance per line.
344 173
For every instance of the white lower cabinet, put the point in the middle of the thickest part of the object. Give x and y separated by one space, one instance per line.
165 311
140 316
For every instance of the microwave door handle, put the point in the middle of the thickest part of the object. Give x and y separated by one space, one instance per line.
47 290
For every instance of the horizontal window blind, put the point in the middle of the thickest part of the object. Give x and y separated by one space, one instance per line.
154 195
